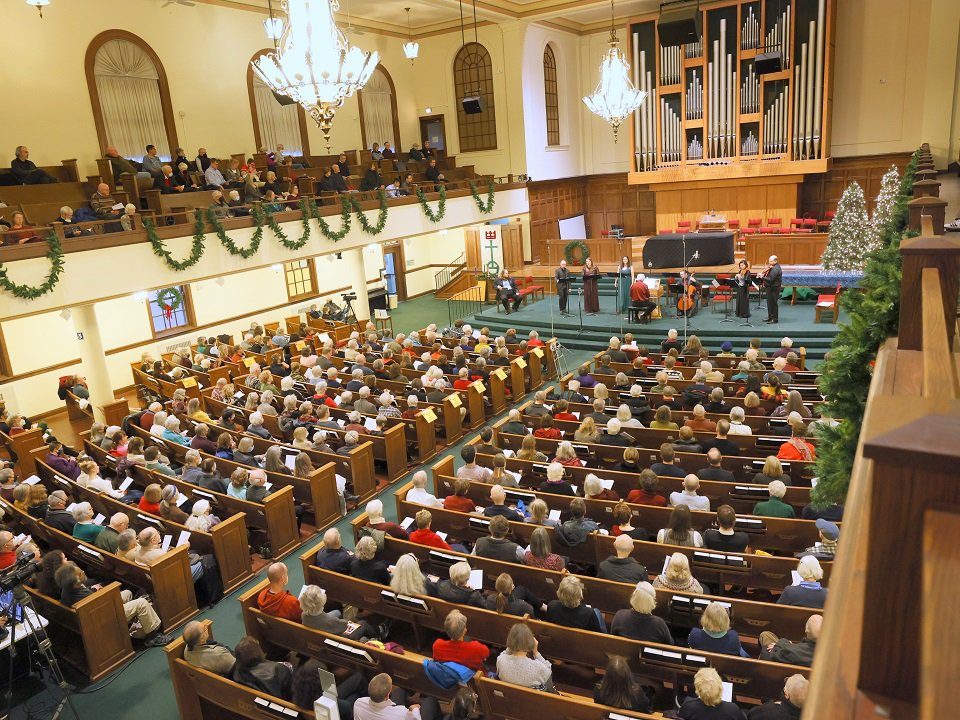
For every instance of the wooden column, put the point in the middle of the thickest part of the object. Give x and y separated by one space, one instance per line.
934 207
940 672
926 188
916 462
941 252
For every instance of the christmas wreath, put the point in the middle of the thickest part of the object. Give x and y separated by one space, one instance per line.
571 248
170 300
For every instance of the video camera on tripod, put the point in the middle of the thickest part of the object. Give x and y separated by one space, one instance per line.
21 571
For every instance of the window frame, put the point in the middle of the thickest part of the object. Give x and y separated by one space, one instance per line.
394 111
301 115
188 313
466 79
314 287
551 96
165 103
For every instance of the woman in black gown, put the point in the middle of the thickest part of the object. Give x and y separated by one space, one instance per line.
591 277
741 283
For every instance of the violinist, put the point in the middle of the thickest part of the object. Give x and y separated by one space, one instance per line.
742 281
688 302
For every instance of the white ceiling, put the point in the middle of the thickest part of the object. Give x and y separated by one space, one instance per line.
431 16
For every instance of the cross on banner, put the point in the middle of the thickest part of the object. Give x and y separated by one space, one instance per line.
492 236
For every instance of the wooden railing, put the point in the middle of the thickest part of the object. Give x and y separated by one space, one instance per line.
888 646
464 303
451 270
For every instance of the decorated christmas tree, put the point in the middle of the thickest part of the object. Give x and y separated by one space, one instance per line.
850 236
886 202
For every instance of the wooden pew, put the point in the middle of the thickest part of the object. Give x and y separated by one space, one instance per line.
202 694
319 490
168 580
22 445
226 541
78 409
755 571
98 622
751 678
276 516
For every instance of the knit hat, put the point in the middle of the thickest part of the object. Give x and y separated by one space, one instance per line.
58 495
727 346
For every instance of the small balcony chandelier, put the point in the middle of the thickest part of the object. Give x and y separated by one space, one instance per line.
39 5
411 48
615 97
313 63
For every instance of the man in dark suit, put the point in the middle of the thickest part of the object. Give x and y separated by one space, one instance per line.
507 291
773 283
168 182
563 286
434 175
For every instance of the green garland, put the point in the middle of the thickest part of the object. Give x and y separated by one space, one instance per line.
262 217
491 196
169 298
381 218
325 230
227 241
26 292
845 376
437 216
576 245
160 248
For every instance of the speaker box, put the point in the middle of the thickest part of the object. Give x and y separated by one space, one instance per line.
769 62
680 23
473 105
284 99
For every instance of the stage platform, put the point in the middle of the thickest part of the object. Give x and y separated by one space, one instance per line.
796 321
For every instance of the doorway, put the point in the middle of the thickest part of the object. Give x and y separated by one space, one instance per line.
393 270
433 130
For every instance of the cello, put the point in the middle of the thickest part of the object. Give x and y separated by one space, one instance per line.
687 300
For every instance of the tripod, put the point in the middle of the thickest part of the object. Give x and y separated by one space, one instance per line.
349 316
37 632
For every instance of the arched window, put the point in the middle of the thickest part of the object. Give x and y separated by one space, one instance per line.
551 96
275 124
379 121
473 77
129 95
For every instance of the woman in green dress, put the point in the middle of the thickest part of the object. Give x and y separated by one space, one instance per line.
624 281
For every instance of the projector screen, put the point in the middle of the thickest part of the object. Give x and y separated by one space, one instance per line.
573 228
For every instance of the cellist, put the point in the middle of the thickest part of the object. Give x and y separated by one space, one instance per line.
688 302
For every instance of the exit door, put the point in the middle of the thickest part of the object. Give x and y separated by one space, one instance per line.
432 130
393 265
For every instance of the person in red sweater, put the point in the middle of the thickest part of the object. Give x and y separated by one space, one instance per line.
468 653
797 447
647 493
463 380
561 411
376 520
275 600
459 500
535 340
423 535
547 430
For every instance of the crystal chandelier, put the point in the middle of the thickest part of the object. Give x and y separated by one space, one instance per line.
313 63
411 48
615 97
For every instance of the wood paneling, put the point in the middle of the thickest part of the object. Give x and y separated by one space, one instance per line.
799 249
764 198
604 200
820 193
511 242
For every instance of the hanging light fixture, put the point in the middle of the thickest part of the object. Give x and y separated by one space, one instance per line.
615 97
273 26
39 5
313 63
411 48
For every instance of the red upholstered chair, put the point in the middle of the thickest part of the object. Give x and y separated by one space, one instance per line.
753 226
774 225
733 224
722 293
809 225
768 230
830 304
787 231
684 226
533 289
824 225
664 232
796 223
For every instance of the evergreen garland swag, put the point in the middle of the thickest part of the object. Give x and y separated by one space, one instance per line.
227 241
325 230
27 292
845 376
381 217
437 216
160 248
491 196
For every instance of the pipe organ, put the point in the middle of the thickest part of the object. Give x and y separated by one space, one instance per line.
710 110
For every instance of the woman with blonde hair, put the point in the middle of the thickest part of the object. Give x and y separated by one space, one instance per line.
273 461
407 579
178 404
300 440
238 484
709 703
600 392
751 405
528 450
539 514
715 633
566 455
195 413
266 383
569 609
809 592
626 418
638 621
795 404
693 346
302 466
677 576
587 432
772 470
253 400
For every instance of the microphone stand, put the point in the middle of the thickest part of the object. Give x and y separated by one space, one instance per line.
580 306
686 287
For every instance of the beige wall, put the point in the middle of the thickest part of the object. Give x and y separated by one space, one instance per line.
895 76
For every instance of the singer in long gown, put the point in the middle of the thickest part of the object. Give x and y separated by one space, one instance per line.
741 282
591 277
624 281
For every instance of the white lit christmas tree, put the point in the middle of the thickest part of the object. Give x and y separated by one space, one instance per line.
850 239
889 189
